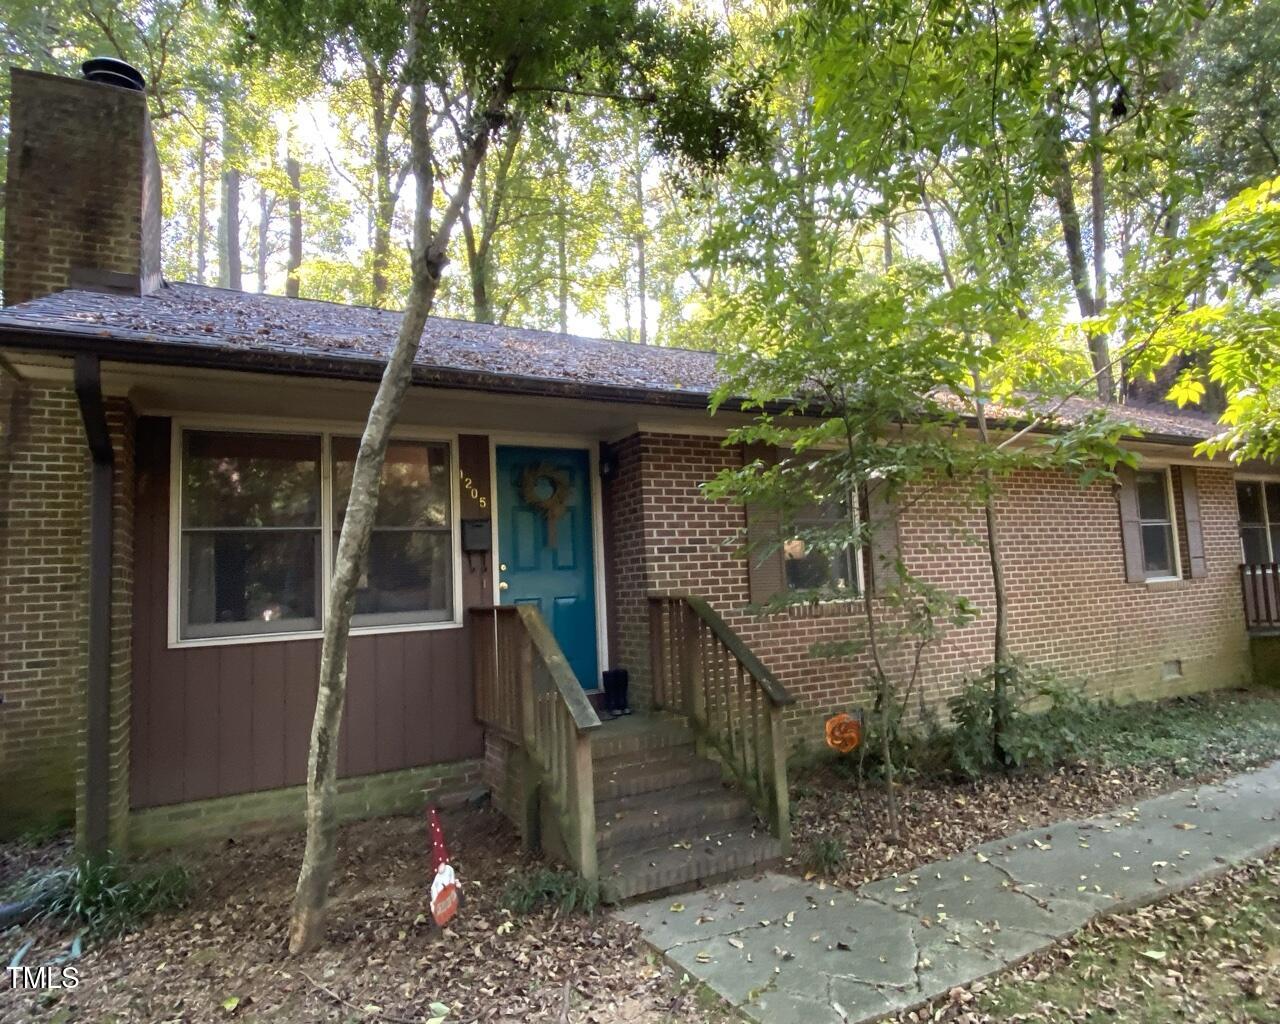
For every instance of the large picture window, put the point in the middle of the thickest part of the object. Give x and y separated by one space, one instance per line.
408 573
255 508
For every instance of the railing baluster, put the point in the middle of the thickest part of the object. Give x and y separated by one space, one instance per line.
731 700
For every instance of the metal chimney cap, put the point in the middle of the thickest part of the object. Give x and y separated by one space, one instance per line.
112 71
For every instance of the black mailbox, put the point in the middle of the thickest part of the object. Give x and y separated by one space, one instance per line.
476 536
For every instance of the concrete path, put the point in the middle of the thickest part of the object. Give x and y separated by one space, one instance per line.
784 950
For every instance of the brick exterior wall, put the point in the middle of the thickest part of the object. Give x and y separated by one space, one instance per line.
43 535
83 187
1070 606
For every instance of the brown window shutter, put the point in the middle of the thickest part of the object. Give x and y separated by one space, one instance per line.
1130 526
766 575
884 546
1195 529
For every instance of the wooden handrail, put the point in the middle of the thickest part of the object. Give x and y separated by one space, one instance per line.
774 690
702 669
566 683
527 693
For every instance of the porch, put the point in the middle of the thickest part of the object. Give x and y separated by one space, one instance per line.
688 790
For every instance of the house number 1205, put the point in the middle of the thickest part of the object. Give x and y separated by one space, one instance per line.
469 486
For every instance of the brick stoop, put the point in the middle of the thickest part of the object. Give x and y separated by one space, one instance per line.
665 817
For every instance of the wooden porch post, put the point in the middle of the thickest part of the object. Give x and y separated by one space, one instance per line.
530 769
583 811
777 754
695 693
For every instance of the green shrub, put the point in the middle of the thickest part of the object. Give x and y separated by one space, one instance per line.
918 750
825 856
105 897
1047 721
566 892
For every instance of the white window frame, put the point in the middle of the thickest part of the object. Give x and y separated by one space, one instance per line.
855 555
1167 471
326 431
1264 482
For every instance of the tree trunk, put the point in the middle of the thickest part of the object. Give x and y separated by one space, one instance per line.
884 705
1098 206
562 242
430 255
1001 665
1069 218
265 205
642 276
887 229
492 197
384 211
294 266
229 275
202 204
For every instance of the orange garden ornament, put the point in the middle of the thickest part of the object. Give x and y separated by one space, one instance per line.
844 732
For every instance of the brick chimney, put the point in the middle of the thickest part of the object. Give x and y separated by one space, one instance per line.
83 189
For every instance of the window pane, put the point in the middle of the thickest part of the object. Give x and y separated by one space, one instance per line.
415 483
1153 497
1273 502
1249 500
1253 544
1270 556
250 581
408 577
808 568
1157 550
250 480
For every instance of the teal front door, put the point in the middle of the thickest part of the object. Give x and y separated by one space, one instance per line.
545 550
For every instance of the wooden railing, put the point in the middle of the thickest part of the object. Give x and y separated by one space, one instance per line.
703 670
1260 589
526 692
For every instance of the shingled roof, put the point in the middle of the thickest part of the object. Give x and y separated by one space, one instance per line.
197 321
198 325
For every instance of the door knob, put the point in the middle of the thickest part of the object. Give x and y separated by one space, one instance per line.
503 585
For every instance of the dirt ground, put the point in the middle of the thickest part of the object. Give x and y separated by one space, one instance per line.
223 958
1207 738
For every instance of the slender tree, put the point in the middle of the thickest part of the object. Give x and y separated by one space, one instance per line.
474 66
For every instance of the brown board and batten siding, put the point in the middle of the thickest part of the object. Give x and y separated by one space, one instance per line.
219 720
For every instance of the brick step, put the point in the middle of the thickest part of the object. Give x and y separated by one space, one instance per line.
658 869
683 814
624 776
655 734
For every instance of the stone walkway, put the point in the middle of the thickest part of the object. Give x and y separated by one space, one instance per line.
784 950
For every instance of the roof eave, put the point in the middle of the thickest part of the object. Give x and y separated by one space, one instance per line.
183 353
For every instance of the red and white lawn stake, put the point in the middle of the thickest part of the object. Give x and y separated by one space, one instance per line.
444 884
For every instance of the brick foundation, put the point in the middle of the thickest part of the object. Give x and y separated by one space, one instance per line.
276 810
1070 606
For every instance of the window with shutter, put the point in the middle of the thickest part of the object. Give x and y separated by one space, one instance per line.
1148 527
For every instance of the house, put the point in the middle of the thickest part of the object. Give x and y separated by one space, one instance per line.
173 472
